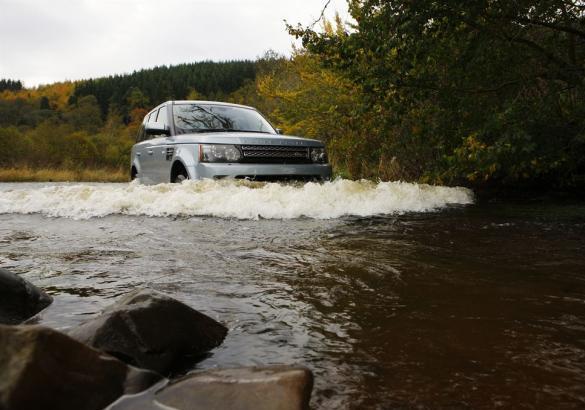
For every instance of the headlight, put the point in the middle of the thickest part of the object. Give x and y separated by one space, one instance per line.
219 153
318 155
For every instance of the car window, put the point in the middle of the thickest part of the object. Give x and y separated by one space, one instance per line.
152 117
142 136
162 115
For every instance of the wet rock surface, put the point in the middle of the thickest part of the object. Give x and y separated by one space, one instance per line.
151 330
43 369
19 299
253 388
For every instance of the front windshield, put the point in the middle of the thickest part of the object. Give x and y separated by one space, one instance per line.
218 118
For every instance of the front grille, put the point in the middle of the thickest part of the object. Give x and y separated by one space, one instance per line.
275 154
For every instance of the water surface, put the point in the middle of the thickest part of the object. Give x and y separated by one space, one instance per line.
396 296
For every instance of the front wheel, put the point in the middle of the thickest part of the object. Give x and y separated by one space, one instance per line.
179 178
178 173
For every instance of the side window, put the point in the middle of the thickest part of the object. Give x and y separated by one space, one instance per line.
162 115
152 117
158 115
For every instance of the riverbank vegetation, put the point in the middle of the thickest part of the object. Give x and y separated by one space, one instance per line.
482 94
27 174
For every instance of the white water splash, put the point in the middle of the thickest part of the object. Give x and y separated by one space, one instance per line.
232 199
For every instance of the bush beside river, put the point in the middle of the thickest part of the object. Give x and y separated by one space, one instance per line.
27 174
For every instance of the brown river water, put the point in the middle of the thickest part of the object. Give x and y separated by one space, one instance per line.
395 295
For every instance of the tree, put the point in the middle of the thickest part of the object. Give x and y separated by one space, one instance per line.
85 115
137 99
11 85
78 150
44 103
304 99
19 146
469 92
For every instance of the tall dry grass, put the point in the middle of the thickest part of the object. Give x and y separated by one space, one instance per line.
27 174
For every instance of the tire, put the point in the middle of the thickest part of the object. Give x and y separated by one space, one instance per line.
178 173
180 178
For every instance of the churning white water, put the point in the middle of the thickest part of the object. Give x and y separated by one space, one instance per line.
231 199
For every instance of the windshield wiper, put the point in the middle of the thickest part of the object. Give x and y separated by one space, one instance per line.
212 130
228 130
257 132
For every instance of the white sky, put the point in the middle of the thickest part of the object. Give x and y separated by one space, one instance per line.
43 41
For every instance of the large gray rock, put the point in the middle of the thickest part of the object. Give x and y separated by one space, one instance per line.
150 330
19 299
254 388
41 368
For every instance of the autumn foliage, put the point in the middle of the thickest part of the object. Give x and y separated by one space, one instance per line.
74 126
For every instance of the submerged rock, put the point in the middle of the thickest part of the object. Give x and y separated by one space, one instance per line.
43 369
253 388
153 331
19 299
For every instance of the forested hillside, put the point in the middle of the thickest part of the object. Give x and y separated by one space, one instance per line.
483 94
150 87
92 123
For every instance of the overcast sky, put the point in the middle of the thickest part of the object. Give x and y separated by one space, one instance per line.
43 41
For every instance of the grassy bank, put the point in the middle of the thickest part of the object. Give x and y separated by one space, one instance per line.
26 174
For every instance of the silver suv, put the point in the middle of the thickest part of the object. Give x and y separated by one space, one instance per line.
181 140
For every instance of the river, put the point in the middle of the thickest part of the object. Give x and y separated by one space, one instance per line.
395 295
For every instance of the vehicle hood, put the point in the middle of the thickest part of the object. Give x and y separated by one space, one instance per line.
245 138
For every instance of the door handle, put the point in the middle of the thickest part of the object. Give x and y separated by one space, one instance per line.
138 154
149 152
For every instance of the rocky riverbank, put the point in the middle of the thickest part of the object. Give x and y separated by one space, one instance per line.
125 358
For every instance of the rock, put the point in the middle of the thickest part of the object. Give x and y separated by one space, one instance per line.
19 299
41 368
253 388
150 330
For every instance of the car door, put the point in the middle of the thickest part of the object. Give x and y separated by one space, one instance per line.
163 151
145 154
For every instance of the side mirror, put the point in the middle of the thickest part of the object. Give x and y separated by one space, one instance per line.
156 128
279 131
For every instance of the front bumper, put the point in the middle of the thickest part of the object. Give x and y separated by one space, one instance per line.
261 171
